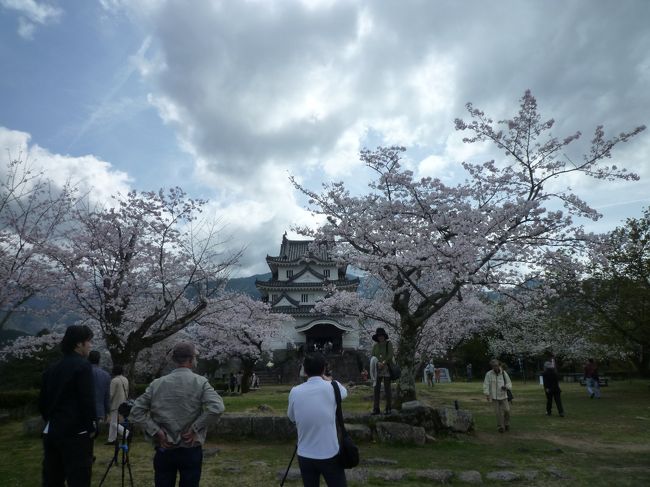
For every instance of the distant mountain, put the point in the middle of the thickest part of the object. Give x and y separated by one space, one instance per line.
28 323
246 285
10 335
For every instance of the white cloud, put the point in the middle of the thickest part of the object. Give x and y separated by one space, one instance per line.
91 175
32 13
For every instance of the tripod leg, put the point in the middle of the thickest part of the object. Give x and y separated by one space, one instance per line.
110 464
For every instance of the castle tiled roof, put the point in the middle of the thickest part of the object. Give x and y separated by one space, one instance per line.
293 250
288 284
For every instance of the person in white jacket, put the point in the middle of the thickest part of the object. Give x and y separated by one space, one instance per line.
495 387
119 393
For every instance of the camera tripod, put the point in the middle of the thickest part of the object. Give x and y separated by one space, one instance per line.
121 445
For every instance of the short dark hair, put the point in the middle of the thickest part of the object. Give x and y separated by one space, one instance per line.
182 352
117 369
74 335
314 364
94 356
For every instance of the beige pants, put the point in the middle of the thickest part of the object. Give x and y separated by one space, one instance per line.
115 429
502 409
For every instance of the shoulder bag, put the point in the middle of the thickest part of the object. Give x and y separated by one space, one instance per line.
508 391
348 451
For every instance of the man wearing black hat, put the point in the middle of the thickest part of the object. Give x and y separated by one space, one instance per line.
175 411
383 352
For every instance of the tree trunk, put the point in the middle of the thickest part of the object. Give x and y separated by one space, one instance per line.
406 360
126 358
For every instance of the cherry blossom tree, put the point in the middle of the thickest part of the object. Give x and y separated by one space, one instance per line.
32 211
427 242
238 326
143 269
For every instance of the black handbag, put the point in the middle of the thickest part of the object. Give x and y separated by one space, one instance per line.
348 451
508 391
394 371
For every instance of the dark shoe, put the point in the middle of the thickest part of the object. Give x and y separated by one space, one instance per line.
592 396
109 443
507 428
501 430
561 415
375 412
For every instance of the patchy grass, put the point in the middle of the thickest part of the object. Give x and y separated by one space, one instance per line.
599 442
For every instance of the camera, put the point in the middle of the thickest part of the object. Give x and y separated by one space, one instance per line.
124 409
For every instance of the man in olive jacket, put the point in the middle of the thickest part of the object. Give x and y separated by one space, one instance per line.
175 411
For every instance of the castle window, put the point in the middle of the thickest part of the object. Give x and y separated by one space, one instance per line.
289 273
304 298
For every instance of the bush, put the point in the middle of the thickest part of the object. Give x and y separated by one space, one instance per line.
18 399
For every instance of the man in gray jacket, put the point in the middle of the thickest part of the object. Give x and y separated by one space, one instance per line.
175 411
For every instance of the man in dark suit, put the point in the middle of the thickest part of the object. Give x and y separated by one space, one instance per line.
67 404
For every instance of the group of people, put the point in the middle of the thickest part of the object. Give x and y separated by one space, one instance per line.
174 411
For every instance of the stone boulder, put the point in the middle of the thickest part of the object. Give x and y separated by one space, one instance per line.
455 420
400 433
359 432
440 476
416 413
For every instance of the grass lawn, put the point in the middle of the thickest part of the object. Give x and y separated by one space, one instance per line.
599 442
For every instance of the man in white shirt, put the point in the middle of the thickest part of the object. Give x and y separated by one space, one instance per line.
312 407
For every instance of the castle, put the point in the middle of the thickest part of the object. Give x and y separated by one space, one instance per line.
300 275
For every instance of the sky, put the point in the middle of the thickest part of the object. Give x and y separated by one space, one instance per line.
226 99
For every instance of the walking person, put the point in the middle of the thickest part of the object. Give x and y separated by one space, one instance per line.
469 372
552 389
382 350
495 387
592 379
312 406
102 381
429 370
238 380
119 394
67 405
176 410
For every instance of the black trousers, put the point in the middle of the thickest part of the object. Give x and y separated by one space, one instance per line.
67 460
331 469
186 462
377 391
554 394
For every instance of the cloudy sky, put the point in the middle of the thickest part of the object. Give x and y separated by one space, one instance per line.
227 98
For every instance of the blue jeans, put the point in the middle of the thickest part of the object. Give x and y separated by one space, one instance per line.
593 387
186 461
331 469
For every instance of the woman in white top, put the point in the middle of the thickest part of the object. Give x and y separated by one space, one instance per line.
119 394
